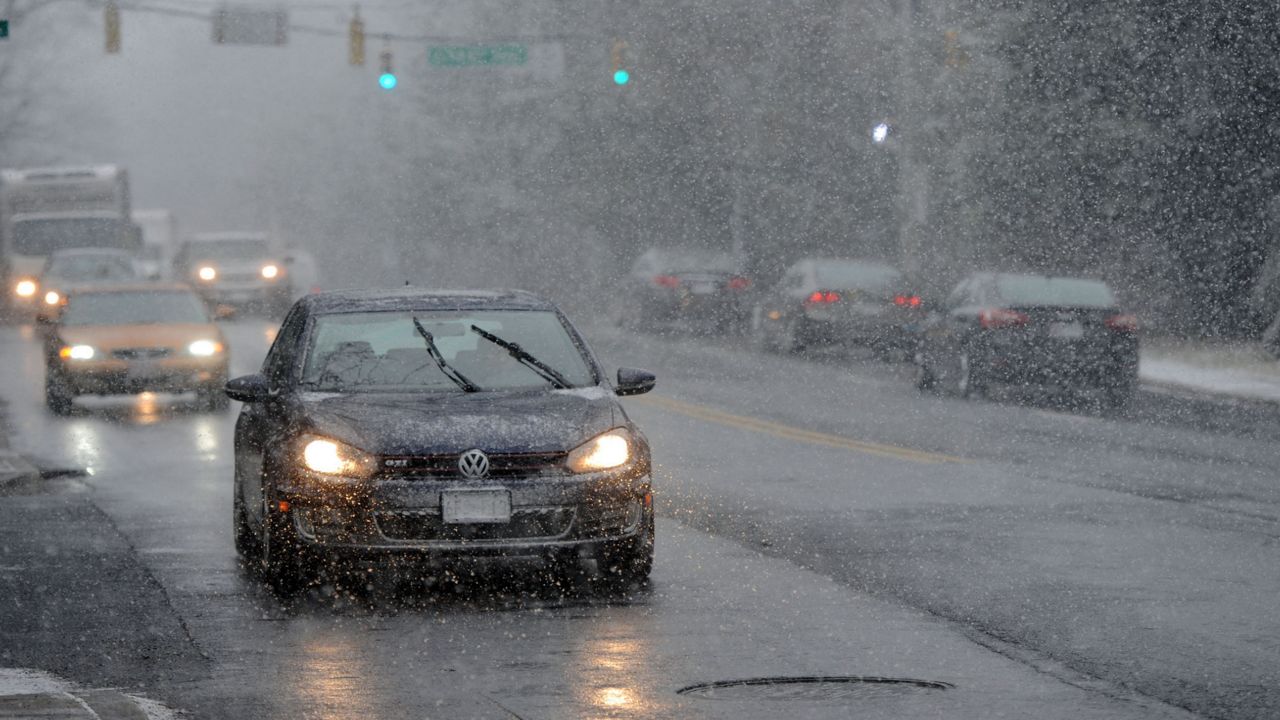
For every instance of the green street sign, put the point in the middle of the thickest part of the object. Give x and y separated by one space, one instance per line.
477 55
4 29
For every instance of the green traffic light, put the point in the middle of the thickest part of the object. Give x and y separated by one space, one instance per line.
621 77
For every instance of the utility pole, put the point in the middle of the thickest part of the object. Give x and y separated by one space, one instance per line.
913 177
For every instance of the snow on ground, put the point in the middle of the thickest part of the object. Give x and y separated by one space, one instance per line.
23 681
1240 370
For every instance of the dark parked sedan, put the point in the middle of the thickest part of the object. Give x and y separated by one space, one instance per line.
704 288
424 427
830 301
1059 332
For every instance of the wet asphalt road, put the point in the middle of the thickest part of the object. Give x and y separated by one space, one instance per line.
818 517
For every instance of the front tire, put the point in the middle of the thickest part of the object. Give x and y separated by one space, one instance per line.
245 541
58 395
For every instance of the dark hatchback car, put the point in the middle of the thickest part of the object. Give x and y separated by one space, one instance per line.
832 301
1063 333
705 288
419 427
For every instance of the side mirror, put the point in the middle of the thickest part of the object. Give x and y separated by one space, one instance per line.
632 381
248 388
224 312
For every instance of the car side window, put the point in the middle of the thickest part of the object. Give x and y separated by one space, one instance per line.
283 355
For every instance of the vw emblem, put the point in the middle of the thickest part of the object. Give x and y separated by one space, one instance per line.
473 464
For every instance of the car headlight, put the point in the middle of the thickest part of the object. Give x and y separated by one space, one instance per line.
52 297
25 288
330 457
204 348
206 273
77 352
270 272
602 452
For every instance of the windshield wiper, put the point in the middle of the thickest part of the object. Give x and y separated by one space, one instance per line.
543 370
449 371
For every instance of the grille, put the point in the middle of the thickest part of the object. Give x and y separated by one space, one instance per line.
241 277
141 353
500 466
526 523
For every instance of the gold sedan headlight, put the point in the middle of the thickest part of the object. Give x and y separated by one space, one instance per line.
77 352
25 288
204 348
270 272
602 452
330 457
52 297
207 273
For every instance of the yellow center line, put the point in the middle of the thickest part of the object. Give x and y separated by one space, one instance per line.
702 412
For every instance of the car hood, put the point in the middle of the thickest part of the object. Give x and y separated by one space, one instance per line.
112 337
426 424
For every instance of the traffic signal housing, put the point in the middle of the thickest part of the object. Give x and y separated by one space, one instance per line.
386 76
111 21
621 75
355 49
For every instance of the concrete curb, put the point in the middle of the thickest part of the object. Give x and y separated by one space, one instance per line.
30 694
15 470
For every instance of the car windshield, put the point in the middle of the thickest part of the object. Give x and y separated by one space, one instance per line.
91 267
144 307
384 351
1058 291
44 236
842 275
247 249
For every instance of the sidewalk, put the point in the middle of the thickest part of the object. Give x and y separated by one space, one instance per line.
34 694
1232 369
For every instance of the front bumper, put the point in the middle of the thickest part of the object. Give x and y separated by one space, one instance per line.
549 514
1063 364
118 377
234 293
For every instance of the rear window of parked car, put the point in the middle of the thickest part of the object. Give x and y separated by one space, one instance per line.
843 275
1041 290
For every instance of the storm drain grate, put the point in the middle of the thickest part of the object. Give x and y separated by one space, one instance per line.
839 687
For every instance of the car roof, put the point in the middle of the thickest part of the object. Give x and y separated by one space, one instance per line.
417 298
225 236
67 252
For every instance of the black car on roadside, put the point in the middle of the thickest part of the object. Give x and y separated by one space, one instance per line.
1063 333
703 288
836 301
421 428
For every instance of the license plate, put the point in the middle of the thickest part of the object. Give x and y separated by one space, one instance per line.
142 371
1066 330
475 506
702 288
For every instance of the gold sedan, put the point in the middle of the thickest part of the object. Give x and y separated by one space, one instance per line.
124 339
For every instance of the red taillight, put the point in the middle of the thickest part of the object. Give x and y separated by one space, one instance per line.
992 318
668 281
823 297
915 301
739 283
907 300
1122 323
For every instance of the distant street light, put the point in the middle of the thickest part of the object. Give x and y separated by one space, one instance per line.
880 133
